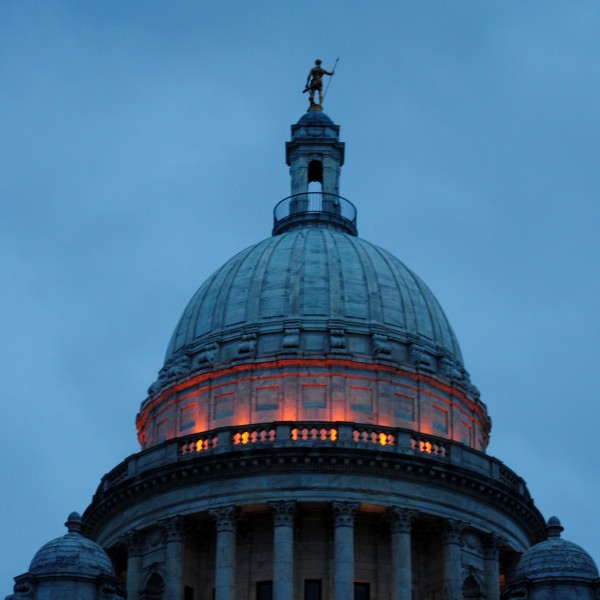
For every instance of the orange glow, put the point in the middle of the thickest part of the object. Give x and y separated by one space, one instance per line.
146 411
200 391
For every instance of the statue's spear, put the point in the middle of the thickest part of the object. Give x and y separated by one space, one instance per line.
332 71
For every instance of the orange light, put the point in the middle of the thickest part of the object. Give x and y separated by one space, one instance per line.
333 434
383 439
245 437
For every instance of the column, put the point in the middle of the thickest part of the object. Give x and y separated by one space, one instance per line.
134 565
283 549
225 521
400 527
451 556
343 569
491 553
174 551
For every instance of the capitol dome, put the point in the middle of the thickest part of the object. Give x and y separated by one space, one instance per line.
314 323
313 432
313 275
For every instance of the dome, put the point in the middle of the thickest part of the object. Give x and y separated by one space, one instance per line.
313 323
312 276
71 554
556 558
312 118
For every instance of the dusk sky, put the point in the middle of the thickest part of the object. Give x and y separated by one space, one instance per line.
142 145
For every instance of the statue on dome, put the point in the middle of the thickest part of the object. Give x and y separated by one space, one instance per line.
314 83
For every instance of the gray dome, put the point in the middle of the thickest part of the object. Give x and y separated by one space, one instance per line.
556 558
314 118
312 276
71 554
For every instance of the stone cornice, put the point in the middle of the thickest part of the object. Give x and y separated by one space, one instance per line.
254 461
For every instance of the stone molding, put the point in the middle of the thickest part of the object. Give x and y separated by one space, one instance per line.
134 541
225 517
400 519
287 460
452 531
284 512
173 528
492 544
343 513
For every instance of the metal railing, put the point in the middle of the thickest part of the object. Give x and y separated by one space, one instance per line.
315 206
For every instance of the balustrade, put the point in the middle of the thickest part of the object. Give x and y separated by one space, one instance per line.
314 433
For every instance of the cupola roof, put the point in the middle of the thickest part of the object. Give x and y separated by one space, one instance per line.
71 554
555 558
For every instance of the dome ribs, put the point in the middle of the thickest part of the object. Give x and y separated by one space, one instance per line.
273 296
315 287
356 280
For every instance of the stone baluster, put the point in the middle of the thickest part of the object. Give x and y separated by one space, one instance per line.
174 557
135 555
343 570
452 542
491 554
400 526
283 549
225 521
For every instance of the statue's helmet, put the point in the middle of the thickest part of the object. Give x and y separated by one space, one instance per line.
317 62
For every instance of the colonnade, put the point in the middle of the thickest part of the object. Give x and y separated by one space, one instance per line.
400 523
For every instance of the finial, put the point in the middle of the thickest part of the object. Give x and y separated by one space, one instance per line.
74 523
314 83
554 528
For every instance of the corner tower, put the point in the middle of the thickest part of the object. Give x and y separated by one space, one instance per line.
313 401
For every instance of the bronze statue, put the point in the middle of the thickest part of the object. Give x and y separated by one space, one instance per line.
314 82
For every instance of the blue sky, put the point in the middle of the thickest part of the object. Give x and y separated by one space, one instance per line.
142 145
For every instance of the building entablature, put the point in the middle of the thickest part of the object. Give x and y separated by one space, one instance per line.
372 465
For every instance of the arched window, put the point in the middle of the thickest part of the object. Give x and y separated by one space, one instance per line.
154 588
315 176
315 171
471 589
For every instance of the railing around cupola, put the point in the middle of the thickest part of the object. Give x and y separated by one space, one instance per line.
315 208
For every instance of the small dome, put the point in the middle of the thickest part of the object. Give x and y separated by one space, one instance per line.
315 125
71 554
314 118
556 558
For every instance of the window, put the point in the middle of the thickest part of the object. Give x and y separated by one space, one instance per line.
361 591
264 590
312 589
315 171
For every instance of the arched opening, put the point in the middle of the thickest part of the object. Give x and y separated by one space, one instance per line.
471 589
154 589
315 176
